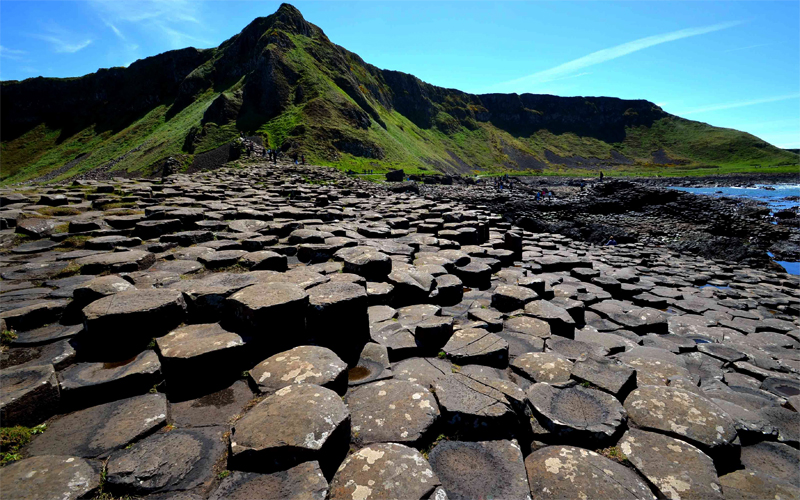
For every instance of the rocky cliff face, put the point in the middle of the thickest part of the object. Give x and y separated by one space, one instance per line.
109 98
283 79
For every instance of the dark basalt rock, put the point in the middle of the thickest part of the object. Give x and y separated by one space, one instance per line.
99 430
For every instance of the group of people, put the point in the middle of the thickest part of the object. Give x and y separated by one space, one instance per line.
501 183
274 154
544 194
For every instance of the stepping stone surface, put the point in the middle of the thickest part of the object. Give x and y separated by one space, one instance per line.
569 472
483 469
302 482
384 471
391 411
180 459
295 424
301 365
62 477
676 468
99 430
576 412
679 412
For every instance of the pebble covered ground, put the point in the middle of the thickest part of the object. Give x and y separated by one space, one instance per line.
286 331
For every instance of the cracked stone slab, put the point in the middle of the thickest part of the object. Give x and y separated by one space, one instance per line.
57 477
99 430
180 459
475 345
679 470
391 411
383 472
561 472
481 406
682 413
483 469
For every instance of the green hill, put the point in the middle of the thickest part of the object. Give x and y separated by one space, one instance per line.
281 79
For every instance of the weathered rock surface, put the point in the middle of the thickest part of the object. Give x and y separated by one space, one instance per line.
301 482
681 413
384 471
301 365
676 468
391 411
568 472
99 430
483 469
296 424
62 477
180 459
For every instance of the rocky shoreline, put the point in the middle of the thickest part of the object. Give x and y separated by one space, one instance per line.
282 331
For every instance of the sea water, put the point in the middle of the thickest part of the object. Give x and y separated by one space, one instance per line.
774 195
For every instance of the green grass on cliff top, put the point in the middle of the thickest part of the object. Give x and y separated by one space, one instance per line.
316 122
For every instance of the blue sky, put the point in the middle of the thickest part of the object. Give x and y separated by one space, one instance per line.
731 64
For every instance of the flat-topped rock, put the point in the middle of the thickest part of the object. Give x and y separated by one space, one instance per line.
301 482
682 413
188 351
301 365
676 468
87 384
481 406
384 471
30 395
116 262
483 469
99 430
62 477
605 374
178 460
547 367
475 345
337 318
508 298
561 323
576 413
774 459
268 310
569 472
132 318
391 411
295 424
752 485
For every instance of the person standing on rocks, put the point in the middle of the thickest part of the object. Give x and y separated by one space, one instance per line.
611 242
601 176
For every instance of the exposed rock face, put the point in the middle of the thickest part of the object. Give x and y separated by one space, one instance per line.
51 476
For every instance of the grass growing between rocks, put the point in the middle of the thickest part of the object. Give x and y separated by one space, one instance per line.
615 454
72 269
55 211
14 438
72 243
7 337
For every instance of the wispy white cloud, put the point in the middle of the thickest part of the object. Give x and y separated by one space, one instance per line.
7 53
178 21
115 30
739 104
63 46
604 55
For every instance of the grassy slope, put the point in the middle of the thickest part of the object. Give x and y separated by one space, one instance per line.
317 119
